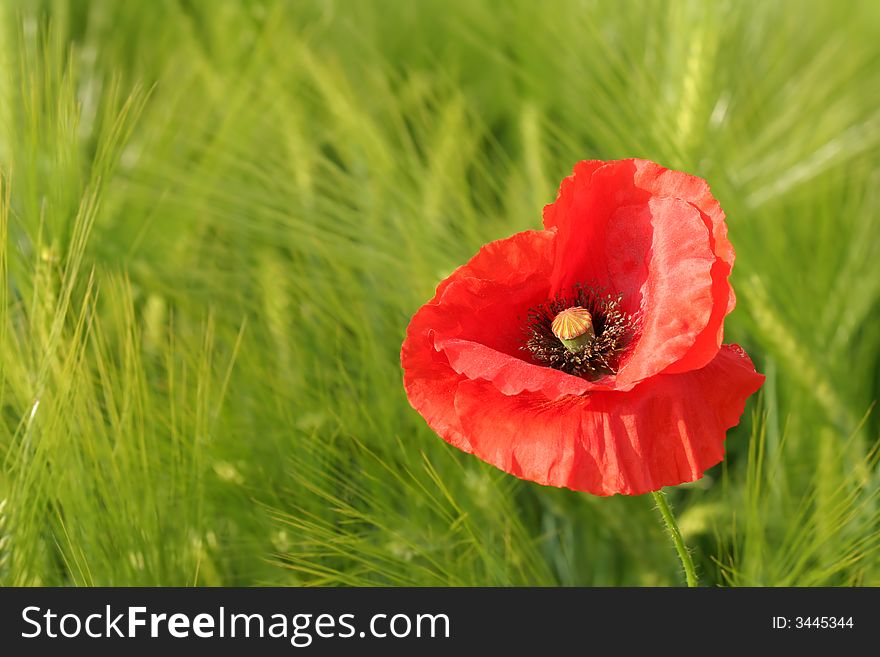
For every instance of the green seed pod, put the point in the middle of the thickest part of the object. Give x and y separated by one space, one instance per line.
574 328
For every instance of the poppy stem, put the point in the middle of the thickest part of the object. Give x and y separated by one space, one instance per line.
684 556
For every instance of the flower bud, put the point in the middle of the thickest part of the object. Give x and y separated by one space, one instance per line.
574 328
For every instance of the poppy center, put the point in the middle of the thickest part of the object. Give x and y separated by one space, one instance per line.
574 328
583 333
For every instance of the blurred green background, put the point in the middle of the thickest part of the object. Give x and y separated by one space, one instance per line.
218 217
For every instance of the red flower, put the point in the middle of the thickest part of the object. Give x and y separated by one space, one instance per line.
588 355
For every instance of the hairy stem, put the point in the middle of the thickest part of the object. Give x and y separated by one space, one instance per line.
683 554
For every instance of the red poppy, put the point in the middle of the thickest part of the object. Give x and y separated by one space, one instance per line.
588 355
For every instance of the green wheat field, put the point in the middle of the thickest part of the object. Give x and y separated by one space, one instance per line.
217 218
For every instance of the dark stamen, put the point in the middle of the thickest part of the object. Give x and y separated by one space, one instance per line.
613 333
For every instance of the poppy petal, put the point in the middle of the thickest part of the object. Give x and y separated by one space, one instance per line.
478 323
661 181
430 383
601 240
672 267
511 376
664 432
558 212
